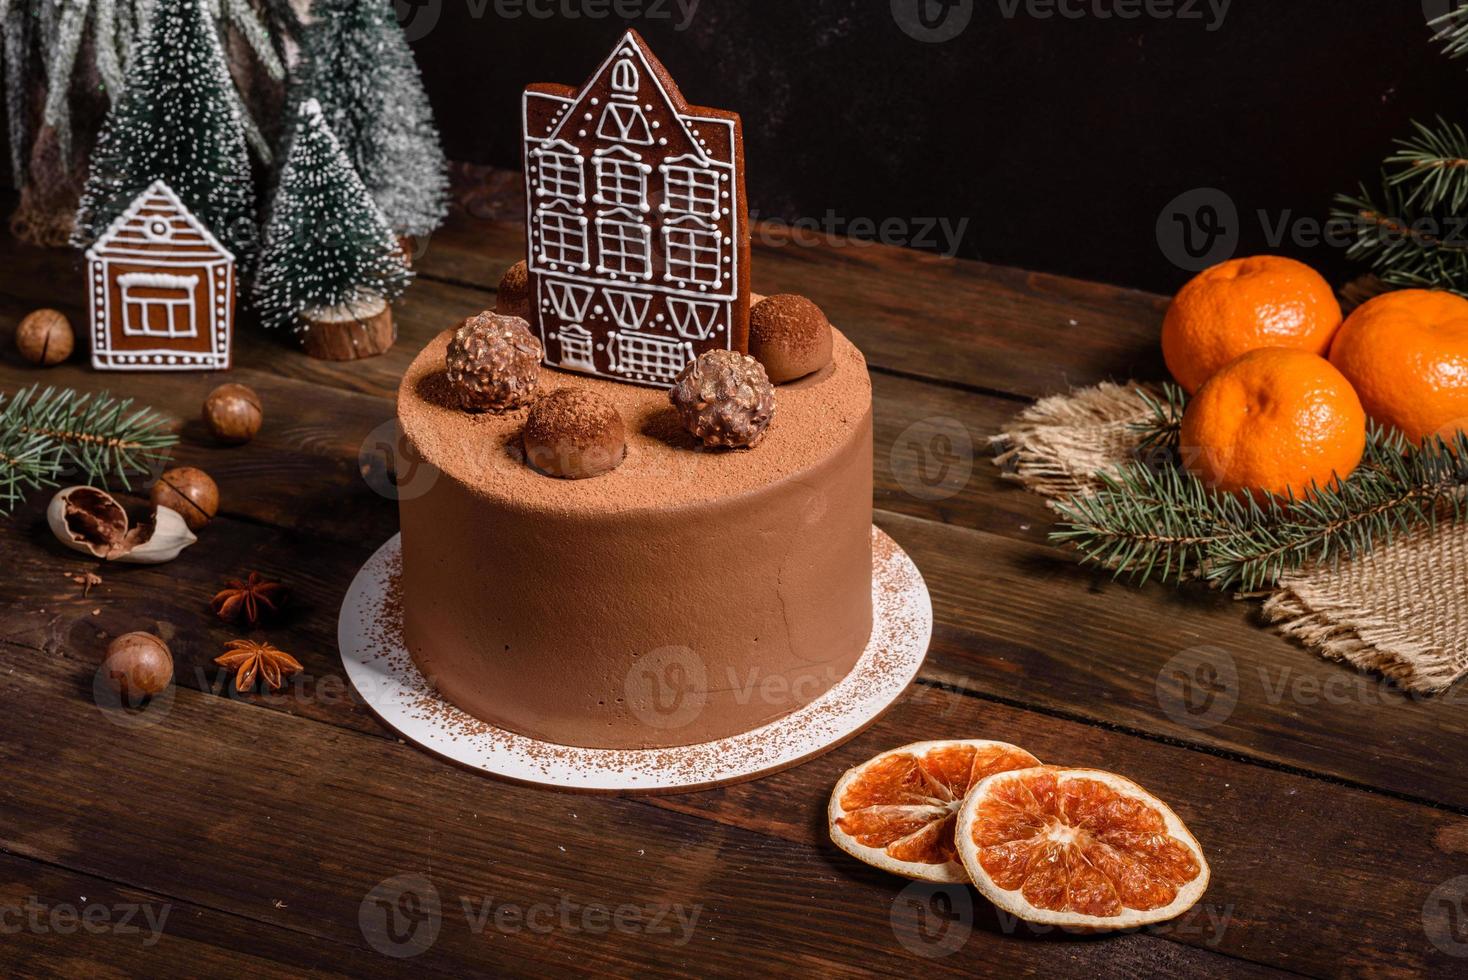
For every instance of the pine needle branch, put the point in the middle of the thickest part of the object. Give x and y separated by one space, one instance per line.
1161 521
1434 167
1406 245
1451 30
53 433
1165 418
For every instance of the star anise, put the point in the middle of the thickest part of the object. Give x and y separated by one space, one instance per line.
249 658
255 598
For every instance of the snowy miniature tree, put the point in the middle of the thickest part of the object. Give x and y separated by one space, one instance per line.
329 254
357 64
177 120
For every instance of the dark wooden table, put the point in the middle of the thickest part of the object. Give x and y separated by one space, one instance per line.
261 825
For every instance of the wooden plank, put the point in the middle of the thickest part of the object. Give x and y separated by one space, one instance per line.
1024 623
957 321
57 922
318 820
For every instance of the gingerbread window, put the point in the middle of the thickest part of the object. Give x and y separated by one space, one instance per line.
621 180
560 172
694 254
625 245
158 305
690 190
562 237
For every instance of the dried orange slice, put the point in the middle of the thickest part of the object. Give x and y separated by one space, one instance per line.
896 811
1080 848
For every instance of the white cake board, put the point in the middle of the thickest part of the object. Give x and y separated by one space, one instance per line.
369 633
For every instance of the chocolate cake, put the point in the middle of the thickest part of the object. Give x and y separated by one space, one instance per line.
646 541
730 585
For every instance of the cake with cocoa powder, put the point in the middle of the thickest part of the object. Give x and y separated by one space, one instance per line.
730 585
647 540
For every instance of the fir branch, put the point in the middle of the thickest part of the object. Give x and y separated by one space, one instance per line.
1164 423
51 433
1148 520
27 460
1435 167
1163 522
1450 29
1406 245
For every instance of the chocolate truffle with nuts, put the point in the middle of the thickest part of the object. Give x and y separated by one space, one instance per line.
512 297
494 363
725 399
790 336
574 433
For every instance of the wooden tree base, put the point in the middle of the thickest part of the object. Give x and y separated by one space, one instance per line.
349 333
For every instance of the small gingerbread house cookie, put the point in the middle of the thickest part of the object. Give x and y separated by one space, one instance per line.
160 289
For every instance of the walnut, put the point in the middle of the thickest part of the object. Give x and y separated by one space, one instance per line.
494 362
725 398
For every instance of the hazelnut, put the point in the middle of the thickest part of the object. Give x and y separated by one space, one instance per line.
575 434
138 665
232 413
790 336
724 399
45 337
191 492
512 297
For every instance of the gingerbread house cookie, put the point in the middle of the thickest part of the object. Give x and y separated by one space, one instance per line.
160 290
638 243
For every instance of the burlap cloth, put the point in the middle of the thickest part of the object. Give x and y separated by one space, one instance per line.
1401 609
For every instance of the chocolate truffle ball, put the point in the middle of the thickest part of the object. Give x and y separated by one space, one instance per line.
725 399
574 433
512 298
190 491
45 337
790 336
494 363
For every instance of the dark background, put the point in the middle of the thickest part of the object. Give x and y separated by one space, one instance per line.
1061 140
